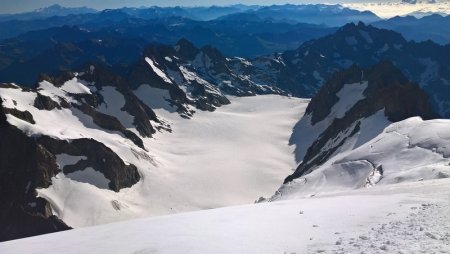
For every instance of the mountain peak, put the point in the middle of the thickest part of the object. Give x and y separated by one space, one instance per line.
364 37
348 99
352 26
183 42
186 49
57 9
380 78
53 7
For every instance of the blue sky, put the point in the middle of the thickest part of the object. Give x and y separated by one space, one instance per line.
12 6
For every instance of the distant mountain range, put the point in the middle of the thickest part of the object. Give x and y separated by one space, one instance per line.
300 72
50 11
433 27
321 14
330 15
238 30
71 47
305 69
234 38
197 13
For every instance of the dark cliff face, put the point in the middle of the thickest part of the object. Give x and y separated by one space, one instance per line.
24 166
98 156
186 49
387 90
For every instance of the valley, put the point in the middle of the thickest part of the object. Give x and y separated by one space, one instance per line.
231 156
265 128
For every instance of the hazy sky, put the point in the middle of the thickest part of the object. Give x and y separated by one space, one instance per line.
12 6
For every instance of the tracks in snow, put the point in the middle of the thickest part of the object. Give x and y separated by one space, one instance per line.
426 229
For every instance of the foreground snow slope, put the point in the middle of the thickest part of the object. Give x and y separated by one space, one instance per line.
228 157
408 217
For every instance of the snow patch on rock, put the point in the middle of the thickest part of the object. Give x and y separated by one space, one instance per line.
157 70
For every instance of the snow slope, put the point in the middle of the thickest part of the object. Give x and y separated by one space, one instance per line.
305 132
415 218
158 71
409 150
228 157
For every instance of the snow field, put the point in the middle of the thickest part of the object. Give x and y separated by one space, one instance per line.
401 218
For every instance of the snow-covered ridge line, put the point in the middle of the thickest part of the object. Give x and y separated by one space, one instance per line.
194 77
352 140
410 150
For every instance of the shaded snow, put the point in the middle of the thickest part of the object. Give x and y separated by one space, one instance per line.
349 95
113 105
155 98
372 126
90 176
305 133
65 159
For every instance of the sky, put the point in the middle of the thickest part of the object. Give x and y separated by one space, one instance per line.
14 6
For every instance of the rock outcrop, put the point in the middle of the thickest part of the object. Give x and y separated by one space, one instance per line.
381 89
24 166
